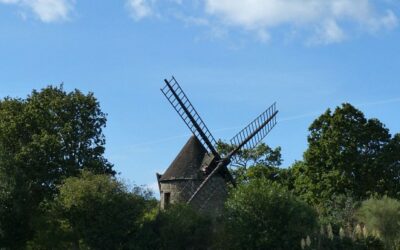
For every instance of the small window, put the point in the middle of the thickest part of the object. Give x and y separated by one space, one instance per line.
167 199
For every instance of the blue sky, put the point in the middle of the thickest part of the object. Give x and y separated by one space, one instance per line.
233 58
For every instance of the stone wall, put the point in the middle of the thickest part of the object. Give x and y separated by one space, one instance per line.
180 190
211 198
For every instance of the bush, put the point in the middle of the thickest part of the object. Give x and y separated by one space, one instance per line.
178 227
356 238
264 215
382 217
91 211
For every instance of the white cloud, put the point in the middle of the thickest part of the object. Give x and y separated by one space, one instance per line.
328 33
316 21
46 10
140 9
390 20
51 10
327 20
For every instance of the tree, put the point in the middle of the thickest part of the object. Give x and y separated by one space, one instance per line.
262 214
44 139
92 211
349 155
383 217
338 210
259 162
391 157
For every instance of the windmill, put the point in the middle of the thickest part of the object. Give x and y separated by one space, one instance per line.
199 174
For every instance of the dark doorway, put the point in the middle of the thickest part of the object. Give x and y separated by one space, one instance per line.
167 199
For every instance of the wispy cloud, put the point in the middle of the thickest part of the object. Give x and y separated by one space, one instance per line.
319 22
380 102
46 11
327 20
281 119
140 9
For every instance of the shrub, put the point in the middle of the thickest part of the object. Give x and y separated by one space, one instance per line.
178 227
91 211
382 217
264 215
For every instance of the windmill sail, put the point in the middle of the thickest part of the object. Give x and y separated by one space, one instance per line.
248 138
180 102
253 133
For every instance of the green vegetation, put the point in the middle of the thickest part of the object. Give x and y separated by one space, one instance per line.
90 212
348 155
45 138
261 214
179 227
57 191
382 217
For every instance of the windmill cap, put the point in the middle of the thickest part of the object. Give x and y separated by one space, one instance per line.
188 163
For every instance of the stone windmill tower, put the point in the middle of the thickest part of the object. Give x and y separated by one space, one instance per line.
199 174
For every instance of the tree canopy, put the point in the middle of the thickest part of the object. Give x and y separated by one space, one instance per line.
261 161
348 154
45 138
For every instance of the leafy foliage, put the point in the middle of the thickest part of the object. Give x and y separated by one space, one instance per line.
262 214
348 154
44 139
260 155
93 211
178 227
260 162
382 216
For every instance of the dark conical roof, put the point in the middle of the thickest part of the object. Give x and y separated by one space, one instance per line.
187 165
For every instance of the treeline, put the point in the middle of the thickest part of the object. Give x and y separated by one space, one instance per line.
57 191
349 176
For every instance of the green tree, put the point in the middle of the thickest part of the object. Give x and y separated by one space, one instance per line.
349 155
259 162
262 214
44 139
94 212
338 210
391 157
382 216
